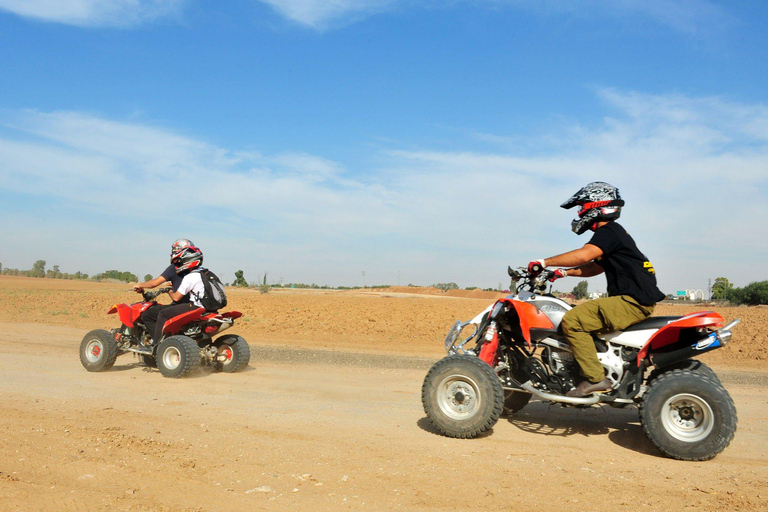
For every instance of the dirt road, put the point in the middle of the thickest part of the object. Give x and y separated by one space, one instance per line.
316 431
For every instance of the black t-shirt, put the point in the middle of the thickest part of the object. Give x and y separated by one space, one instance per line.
169 274
627 270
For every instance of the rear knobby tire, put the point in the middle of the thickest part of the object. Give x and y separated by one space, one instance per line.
515 401
236 351
688 415
149 361
177 355
693 365
98 351
462 396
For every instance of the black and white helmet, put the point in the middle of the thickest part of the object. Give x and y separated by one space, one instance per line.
179 245
189 258
599 201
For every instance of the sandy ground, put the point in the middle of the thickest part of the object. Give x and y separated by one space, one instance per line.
340 428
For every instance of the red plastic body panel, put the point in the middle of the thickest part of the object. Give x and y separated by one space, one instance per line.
129 314
671 333
228 314
175 324
530 318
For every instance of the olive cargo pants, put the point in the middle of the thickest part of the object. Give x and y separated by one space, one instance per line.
599 316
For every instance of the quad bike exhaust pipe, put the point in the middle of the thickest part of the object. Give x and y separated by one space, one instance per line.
715 340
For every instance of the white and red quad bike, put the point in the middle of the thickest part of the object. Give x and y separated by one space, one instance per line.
186 343
516 351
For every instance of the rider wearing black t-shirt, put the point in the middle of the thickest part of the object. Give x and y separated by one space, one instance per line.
149 316
627 270
632 290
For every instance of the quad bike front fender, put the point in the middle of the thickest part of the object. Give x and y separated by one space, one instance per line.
127 314
530 318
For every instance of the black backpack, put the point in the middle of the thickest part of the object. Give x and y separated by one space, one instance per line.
214 297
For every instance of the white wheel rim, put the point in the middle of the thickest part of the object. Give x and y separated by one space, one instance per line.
227 352
458 397
171 358
687 418
94 351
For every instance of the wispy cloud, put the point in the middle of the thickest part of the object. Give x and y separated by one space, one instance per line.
693 17
323 13
694 172
93 13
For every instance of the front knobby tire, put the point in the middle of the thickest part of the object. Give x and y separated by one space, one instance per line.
98 351
177 356
688 415
462 396
236 352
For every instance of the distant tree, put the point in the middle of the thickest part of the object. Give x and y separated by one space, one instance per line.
580 290
721 289
446 286
38 269
239 279
147 277
126 276
752 294
264 288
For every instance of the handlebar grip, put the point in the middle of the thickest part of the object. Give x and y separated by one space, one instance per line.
536 268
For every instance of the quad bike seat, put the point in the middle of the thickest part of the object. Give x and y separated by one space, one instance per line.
654 322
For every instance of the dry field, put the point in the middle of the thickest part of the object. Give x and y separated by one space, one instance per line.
328 417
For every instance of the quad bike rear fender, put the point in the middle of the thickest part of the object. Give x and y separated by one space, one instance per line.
175 324
670 333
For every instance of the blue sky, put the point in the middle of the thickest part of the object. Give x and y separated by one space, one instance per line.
418 141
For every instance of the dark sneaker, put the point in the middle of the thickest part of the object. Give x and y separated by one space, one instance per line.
586 388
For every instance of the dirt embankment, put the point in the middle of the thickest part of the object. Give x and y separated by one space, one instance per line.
387 321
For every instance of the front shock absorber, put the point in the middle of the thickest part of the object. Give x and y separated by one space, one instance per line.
491 345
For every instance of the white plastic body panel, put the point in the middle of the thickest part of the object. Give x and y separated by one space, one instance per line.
634 339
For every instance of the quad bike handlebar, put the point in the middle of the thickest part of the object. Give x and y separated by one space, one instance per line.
150 296
532 282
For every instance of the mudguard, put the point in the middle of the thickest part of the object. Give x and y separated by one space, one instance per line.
229 314
670 333
530 318
175 324
129 314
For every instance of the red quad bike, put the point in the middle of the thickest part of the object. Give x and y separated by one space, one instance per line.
516 351
187 341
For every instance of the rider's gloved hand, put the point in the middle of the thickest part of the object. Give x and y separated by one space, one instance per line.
536 267
557 274
137 288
